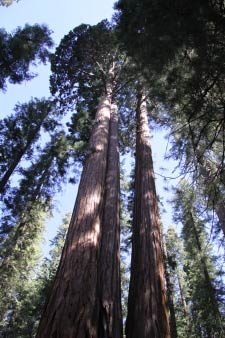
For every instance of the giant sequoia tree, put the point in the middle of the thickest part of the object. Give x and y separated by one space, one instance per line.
83 302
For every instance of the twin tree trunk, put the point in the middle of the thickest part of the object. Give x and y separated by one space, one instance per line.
147 310
85 298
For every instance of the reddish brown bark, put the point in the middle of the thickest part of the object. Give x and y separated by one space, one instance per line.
72 310
147 310
110 322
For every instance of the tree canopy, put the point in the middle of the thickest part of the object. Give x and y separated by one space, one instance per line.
24 47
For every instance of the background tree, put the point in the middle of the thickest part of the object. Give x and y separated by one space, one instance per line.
201 272
31 292
21 131
25 47
170 291
175 261
25 210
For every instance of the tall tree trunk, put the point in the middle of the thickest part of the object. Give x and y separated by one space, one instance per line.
147 310
170 292
73 306
110 321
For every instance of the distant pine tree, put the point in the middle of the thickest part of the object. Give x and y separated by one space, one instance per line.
204 297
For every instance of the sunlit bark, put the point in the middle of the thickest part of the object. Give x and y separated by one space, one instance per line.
73 306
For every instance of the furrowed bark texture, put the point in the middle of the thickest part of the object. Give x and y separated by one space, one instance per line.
110 321
73 307
147 310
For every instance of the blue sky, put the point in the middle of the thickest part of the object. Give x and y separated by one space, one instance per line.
61 17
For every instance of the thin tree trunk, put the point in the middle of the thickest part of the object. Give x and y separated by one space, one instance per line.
183 300
147 310
207 278
110 321
170 292
188 326
16 160
220 211
72 310
10 170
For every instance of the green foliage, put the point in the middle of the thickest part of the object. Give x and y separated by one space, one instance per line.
159 29
17 280
20 132
40 181
50 265
81 64
180 47
205 295
26 208
81 68
18 255
18 51
30 290
175 261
